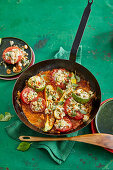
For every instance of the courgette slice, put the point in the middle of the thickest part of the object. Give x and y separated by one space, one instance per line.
73 79
59 112
65 95
49 123
60 91
37 83
79 99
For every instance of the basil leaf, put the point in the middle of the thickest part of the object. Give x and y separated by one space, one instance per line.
59 90
43 75
24 146
74 85
83 112
5 117
73 115
1 117
61 102
78 78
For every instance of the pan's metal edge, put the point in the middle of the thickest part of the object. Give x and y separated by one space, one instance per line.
70 132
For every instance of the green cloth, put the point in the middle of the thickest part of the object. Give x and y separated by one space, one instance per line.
65 54
59 151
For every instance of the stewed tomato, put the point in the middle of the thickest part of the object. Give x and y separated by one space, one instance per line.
72 109
27 95
63 125
60 77
12 55
38 105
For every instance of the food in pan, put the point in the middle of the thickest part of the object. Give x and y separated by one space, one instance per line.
56 101
12 55
16 56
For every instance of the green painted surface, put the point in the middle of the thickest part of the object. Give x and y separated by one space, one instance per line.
46 25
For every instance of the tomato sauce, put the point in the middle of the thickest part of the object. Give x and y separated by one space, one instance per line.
39 119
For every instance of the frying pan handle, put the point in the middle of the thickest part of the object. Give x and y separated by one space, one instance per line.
80 31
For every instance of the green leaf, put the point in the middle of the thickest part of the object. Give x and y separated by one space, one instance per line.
59 90
73 114
24 146
83 112
78 78
5 117
61 103
1 117
74 85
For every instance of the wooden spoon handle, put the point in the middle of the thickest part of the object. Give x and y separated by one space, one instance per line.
99 139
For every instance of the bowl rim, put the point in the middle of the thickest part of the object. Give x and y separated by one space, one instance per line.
96 117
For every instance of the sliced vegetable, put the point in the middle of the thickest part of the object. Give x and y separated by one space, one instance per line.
37 83
81 96
60 91
38 105
72 109
12 55
59 112
86 117
73 79
67 93
63 125
27 95
60 77
51 97
49 123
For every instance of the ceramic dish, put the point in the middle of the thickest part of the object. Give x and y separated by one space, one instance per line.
94 125
17 76
11 42
104 117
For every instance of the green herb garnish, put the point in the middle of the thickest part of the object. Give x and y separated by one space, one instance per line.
77 78
59 90
5 117
61 103
24 146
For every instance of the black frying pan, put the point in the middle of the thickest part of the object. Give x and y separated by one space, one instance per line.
68 65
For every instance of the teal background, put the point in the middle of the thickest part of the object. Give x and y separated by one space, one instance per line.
46 25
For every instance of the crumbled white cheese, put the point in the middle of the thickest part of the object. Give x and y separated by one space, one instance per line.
11 42
61 123
83 94
85 118
32 95
59 112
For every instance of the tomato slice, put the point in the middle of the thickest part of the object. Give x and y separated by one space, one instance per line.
8 58
27 95
63 125
38 105
60 77
71 108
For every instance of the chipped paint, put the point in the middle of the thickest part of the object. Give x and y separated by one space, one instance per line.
40 44
91 27
81 160
100 165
